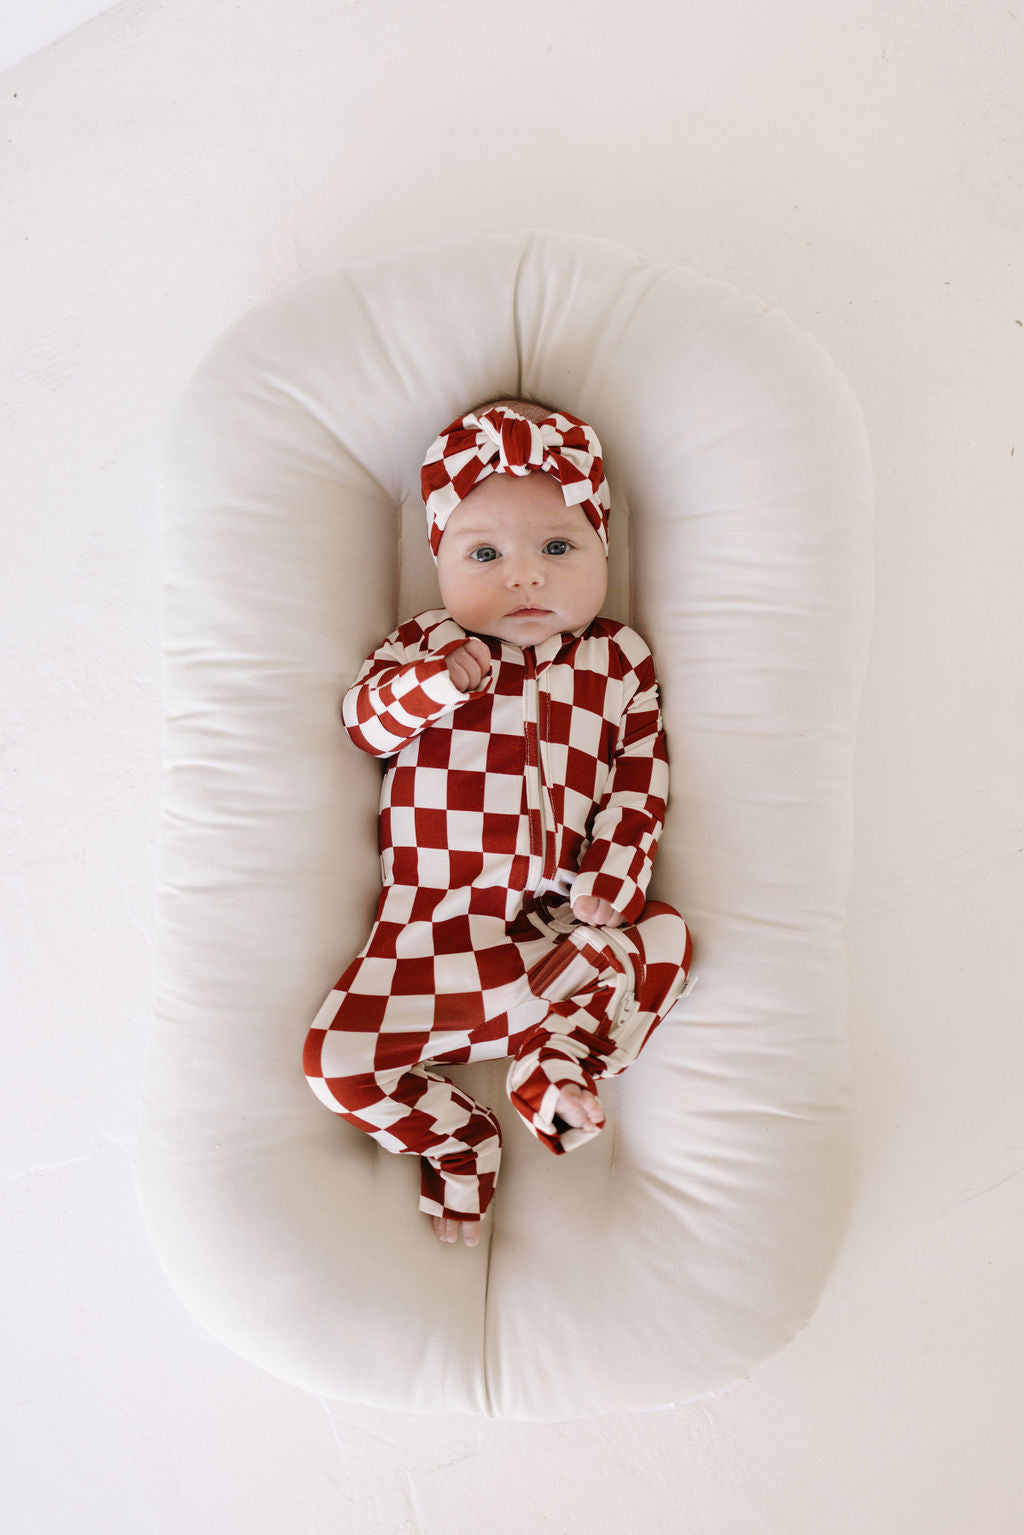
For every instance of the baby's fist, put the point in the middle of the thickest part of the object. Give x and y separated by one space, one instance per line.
469 665
596 913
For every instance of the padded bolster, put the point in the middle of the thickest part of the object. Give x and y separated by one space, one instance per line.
692 1238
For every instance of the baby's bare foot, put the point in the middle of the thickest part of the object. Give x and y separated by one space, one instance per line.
448 1230
579 1108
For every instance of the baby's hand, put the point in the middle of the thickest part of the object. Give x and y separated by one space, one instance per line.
469 665
596 913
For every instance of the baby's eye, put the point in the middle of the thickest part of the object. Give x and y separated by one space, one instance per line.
484 554
557 546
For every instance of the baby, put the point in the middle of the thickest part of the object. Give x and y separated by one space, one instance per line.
522 802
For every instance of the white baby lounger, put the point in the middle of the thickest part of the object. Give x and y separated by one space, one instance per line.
691 1239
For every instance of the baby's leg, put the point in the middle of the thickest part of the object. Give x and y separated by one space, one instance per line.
552 1084
378 1083
607 995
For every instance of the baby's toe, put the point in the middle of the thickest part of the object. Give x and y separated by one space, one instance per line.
592 1108
579 1108
448 1230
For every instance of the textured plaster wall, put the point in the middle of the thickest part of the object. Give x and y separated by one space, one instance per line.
164 168
27 25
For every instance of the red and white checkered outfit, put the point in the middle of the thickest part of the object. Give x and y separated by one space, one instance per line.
498 808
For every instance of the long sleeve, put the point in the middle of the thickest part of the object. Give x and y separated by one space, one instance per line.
404 687
625 829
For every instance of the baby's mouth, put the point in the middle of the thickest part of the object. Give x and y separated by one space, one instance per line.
526 612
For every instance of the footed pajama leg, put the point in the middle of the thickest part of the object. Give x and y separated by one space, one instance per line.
609 988
407 1108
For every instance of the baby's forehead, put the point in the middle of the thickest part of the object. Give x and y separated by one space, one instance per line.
503 501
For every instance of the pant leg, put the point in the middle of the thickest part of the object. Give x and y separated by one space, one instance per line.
608 989
378 1081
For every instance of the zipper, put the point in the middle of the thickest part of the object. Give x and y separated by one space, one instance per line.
536 794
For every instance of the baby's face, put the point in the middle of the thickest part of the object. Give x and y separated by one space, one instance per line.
518 564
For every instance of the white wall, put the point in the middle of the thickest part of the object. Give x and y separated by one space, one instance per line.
859 163
27 25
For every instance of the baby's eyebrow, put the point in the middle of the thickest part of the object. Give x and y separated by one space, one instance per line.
493 535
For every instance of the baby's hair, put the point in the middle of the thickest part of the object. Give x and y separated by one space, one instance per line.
533 410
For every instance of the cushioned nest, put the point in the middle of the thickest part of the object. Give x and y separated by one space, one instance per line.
692 1239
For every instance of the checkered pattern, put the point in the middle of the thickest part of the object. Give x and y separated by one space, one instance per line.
609 988
501 441
498 807
551 778
579 1004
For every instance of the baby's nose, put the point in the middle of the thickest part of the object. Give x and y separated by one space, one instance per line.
524 570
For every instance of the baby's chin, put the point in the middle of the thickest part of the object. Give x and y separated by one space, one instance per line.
531 629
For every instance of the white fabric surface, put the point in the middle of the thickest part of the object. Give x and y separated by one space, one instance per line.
692 1239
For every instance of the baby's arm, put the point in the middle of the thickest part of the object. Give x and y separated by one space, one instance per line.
406 685
616 869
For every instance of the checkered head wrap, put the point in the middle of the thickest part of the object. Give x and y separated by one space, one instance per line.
500 441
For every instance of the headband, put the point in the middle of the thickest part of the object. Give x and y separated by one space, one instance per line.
500 441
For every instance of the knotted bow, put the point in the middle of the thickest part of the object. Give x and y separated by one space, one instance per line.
500 441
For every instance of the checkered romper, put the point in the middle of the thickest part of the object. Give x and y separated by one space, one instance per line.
498 808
